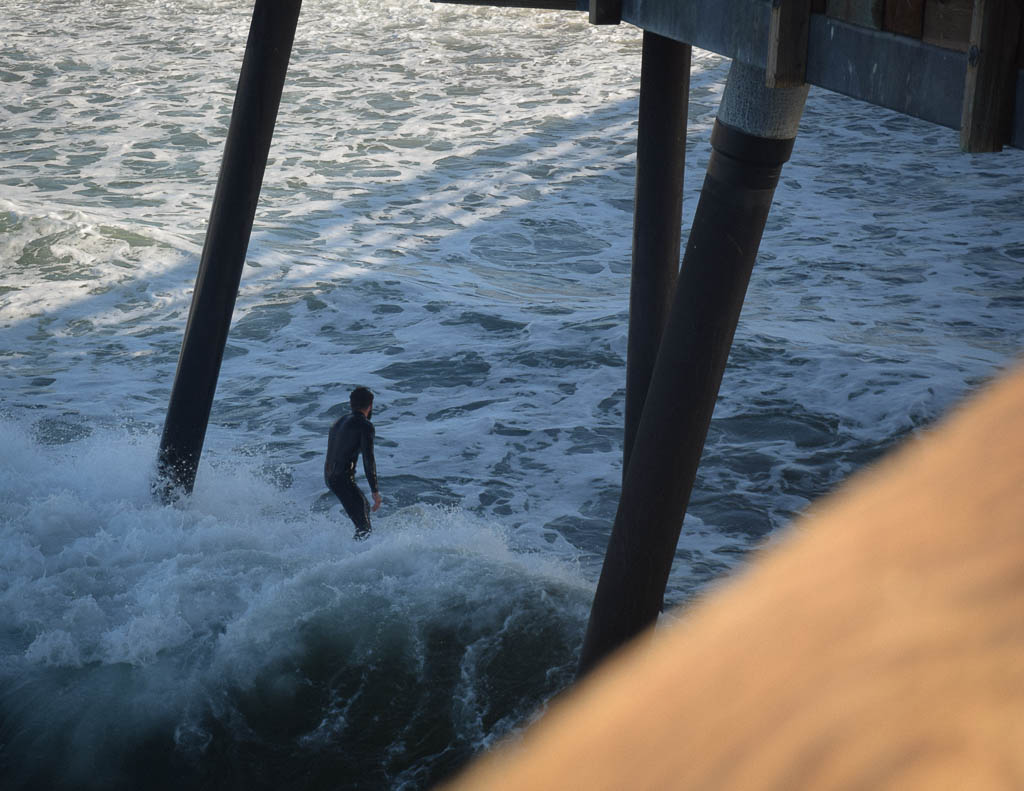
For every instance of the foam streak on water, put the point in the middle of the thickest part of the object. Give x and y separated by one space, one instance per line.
446 218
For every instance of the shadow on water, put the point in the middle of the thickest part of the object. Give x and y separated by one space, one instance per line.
451 180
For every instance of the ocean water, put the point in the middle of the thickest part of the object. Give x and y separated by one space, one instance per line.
446 218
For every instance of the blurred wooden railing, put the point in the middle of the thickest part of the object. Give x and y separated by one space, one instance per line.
879 645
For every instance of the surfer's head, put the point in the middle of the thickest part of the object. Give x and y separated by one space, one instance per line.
361 398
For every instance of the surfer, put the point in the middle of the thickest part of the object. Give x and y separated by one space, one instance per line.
350 436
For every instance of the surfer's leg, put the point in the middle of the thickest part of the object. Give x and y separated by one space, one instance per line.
355 504
360 513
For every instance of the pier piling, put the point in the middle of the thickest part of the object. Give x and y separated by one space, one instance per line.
657 213
257 99
752 138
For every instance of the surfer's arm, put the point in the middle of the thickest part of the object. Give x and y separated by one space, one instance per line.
330 463
369 462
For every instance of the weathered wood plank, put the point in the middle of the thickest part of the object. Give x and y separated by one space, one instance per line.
989 86
905 17
879 645
734 28
893 71
787 43
947 23
866 13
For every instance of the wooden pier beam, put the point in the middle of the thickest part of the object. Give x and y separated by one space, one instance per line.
989 85
605 12
257 99
788 31
752 138
657 213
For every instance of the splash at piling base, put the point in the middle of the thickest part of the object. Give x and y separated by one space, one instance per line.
239 639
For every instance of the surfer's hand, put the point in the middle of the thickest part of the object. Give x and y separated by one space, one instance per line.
377 500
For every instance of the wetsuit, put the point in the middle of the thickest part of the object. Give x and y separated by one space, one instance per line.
350 436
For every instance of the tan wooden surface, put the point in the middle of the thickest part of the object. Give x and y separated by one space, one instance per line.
879 645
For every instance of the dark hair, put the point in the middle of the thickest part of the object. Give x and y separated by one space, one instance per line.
360 398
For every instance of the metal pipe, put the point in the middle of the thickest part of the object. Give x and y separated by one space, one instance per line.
752 138
257 99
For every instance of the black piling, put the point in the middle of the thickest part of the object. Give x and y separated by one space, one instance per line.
227 238
752 138
657 213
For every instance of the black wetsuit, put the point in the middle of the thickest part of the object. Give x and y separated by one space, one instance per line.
350 436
